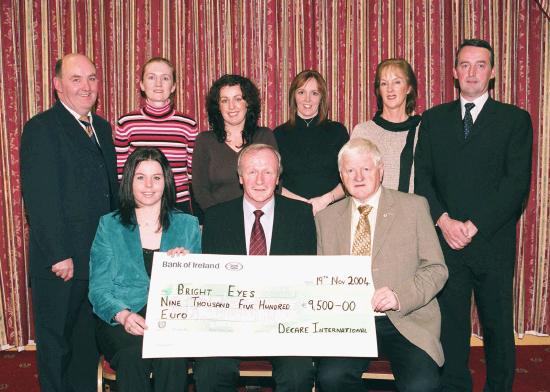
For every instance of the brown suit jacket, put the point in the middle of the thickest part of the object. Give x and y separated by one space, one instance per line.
406 257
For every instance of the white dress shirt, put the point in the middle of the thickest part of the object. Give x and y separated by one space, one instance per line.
266 220
479 102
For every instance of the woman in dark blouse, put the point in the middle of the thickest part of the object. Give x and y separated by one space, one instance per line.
309 143
233 106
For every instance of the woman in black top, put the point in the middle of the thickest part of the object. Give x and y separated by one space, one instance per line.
309 143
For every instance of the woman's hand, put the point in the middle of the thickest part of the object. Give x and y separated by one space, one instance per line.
177 252
286 193
133 323
321 202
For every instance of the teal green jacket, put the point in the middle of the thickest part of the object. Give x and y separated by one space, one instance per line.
118 279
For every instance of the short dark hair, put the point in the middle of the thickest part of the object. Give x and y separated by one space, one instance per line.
58 67
298 81
479 43
158 60
250 94
405 67
126 197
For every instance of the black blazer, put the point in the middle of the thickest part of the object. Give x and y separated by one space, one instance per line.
293 228
68 183
485 178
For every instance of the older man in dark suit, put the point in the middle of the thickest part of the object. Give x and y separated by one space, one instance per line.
408 270
68 175
473 164
259 223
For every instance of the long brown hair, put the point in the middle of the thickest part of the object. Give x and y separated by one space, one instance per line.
298 82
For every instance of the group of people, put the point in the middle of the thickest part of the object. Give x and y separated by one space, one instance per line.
92 238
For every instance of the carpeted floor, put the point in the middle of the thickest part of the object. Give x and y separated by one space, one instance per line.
18 370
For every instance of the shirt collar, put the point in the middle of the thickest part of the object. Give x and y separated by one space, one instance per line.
372 201
248 208
479 101
75 114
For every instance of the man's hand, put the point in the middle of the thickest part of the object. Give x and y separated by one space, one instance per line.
456 233
133 323
472 229
64 269
384 299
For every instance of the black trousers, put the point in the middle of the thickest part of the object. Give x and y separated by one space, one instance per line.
413 369
492 287
291 374
123 351
65 341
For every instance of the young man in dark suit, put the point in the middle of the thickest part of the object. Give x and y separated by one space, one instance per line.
259 223
473 164
68 177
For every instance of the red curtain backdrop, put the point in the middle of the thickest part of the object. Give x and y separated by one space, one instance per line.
270 41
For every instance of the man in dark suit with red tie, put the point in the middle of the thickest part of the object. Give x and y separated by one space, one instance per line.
259 223
473 164
68 174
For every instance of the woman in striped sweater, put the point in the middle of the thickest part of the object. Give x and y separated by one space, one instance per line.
158 124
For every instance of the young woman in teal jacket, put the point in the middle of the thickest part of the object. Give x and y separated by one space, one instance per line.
120 269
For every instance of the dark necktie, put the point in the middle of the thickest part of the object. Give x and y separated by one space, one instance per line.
84 120
468 121
257 237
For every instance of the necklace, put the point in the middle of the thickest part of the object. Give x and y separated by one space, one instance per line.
233 144
143 222
148 223
308 122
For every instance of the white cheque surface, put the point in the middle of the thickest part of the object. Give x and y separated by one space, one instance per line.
220 305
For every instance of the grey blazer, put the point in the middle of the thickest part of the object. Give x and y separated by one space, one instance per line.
406 257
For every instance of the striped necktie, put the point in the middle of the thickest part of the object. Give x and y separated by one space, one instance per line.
258 245
85 120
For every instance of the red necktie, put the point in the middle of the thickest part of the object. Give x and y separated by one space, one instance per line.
257 237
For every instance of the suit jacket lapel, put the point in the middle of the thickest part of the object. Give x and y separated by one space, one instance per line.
132 242
484 119
455 121
238 218
169 238
384 220
343 220
72 128
277 233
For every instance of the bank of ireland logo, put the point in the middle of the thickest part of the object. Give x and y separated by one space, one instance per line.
233 266
162 324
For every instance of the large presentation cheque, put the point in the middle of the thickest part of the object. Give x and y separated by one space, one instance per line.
220 305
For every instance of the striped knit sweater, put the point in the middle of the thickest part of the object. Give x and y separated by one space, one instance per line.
166 129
